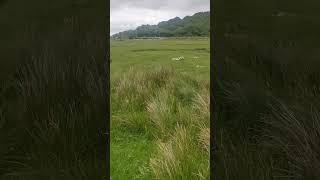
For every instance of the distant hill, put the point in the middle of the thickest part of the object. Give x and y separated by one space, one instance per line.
195 25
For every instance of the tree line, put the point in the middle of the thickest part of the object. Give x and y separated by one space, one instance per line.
195 25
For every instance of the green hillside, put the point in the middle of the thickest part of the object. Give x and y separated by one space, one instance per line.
195 25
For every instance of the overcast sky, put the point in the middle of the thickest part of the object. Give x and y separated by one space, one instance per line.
129 14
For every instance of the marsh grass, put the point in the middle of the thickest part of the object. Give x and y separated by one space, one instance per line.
165 106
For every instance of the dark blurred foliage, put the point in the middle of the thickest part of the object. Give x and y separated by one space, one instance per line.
265 53
53 89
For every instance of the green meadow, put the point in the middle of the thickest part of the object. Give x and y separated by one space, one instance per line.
160 109
146 54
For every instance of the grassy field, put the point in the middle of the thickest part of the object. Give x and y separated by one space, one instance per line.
160 109
145 54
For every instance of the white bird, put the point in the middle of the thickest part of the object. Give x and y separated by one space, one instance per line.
178 58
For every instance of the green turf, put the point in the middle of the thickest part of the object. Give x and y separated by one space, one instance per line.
128 152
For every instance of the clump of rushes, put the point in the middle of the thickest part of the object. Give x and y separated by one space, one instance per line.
294 133
172 159
179 158
161 111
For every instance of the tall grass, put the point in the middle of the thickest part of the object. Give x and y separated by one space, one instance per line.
294 134
53 109
266 106
173 110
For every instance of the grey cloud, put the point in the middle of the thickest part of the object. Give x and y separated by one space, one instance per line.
148 4
128 14
159 4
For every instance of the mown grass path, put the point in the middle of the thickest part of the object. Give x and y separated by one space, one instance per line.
128 153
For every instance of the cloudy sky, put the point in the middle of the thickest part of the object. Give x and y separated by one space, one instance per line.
129 14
